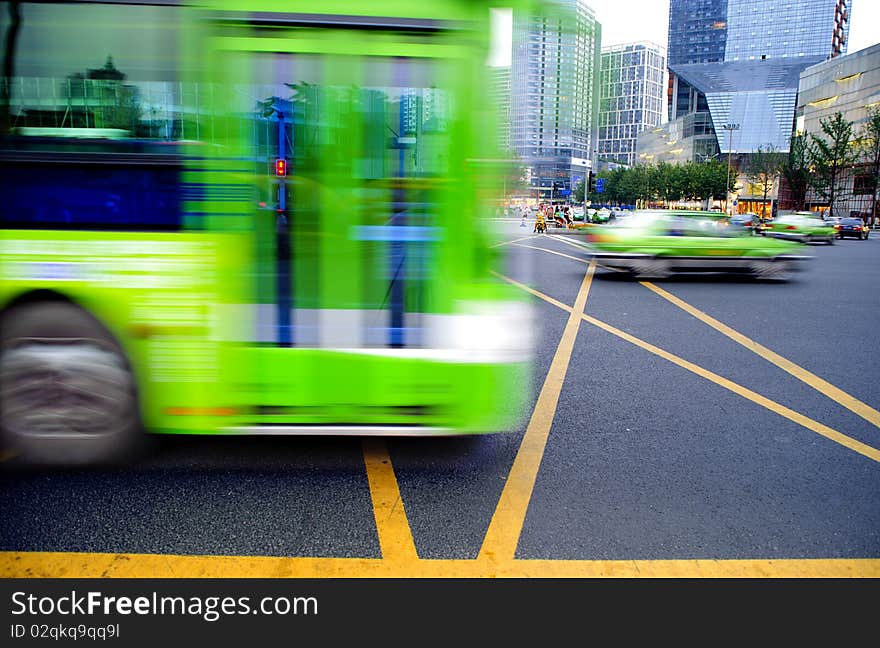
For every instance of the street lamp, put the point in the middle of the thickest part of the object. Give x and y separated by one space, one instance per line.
729 128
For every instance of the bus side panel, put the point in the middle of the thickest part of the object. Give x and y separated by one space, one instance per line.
158 294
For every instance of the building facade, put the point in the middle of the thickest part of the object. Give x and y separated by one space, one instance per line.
739 61
554 97
749 91
499 94
630 97
849 85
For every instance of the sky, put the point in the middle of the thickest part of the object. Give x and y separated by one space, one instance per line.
627 21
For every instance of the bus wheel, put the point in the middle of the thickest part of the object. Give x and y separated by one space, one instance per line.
67 393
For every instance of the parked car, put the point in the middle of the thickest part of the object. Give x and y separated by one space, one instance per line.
804 227
659 243
854 227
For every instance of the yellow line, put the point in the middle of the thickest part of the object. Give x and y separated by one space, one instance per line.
535 247
105 565
504 529
810 424
563 239
773 406
536 293
850 402
522 238
392 526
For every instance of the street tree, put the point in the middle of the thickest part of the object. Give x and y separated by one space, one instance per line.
833 155
870 140
668 180
710 180
796 170
763 168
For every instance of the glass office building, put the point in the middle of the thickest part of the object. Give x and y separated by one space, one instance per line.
697 31
765 44
758 29
554 98
630 97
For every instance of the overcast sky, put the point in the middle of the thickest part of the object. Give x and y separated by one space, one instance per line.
627 21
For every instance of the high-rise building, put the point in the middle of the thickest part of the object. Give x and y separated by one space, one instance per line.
554 99
630 97
499 94
697 31
736 64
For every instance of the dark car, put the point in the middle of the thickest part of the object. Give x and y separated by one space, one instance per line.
747 222
854 227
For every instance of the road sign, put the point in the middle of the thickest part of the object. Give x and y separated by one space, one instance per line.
600 185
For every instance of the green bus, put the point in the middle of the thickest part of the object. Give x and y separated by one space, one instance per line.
262 217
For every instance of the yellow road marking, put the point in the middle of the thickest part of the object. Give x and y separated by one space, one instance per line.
535 247
773 406
108 565
850 402
392 526
400 557
504 529
563 239
522 238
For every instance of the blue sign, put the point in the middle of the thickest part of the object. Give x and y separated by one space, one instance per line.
565 192
600 185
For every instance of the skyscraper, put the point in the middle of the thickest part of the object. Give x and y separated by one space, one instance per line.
738 62
554 102
630 97
499 93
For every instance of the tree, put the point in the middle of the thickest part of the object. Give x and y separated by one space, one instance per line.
668 179
796 170
870 138
763 168
709 180
832 155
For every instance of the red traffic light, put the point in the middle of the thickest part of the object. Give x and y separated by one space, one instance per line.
281 167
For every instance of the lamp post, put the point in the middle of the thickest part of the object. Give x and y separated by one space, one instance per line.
729 128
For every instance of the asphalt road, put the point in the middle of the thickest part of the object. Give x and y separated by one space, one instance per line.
671 441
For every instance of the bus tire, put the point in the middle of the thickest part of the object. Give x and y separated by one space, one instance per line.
67 392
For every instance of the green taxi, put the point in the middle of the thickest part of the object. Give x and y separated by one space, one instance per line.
802 226
659 243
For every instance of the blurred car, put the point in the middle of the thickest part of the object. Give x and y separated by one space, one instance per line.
854 227
659 243
804 227
601 215
748 222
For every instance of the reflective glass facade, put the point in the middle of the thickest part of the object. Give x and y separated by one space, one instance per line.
630 96
784 29
554 100
713 43
697 30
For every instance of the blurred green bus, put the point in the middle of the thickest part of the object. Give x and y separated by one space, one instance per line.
252 218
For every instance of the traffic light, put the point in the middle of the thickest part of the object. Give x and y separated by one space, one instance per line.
592 182
280 167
